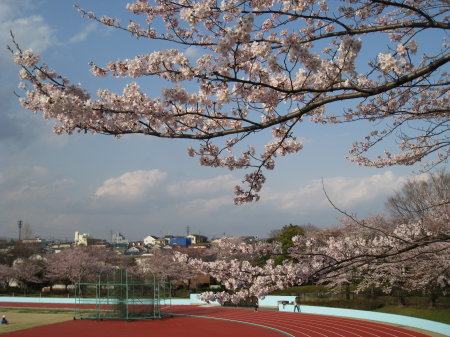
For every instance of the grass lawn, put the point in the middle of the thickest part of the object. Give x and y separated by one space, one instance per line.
20 319
417 305
434 314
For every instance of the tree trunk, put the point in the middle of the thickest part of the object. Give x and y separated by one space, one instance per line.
372 292
347 291
400 297
433 298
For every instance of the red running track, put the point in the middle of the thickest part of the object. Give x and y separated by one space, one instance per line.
300 324
197 321
170 327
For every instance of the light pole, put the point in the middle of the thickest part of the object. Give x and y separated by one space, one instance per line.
19 224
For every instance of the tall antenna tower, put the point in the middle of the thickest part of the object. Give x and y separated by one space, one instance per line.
188 230
19 224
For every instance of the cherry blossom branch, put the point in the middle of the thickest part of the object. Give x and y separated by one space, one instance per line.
265 65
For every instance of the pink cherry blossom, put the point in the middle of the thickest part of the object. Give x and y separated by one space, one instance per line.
266 66
413 255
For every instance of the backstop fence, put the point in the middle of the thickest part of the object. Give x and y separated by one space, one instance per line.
118 294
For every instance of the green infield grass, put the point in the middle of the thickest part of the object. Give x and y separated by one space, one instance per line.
20 319
434 314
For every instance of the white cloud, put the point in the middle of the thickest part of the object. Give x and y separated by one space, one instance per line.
344 192
202 207
30 32
36 192
131 185
32 186
12 8
22 174
204 186
81 36
193 52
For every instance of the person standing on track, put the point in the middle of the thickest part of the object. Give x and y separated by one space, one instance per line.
297 304
256 304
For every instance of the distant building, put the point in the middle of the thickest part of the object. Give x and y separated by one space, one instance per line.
32 241
219 240
119 248
85 240
118 238
133 251
180 241
163 241
249 238
201 280
81 239
196 238
58 247
150 240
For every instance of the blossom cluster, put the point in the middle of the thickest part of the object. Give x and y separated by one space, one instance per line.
412 255
266 65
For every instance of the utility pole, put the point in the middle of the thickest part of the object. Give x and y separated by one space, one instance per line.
19 224
188 229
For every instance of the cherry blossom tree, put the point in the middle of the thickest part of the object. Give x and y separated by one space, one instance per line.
381 252
418 267
79 264
267 65
28 271
425 270
6 274
241 269
163 266
416 198
19 249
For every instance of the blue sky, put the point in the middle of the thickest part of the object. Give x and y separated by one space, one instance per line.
139 185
